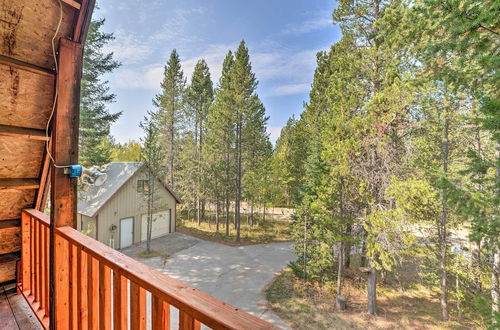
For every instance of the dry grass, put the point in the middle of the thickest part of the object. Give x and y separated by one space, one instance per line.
269 231
311 306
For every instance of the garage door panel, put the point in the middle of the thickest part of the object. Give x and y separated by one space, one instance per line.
161 224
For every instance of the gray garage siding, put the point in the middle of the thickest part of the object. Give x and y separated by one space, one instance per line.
128 203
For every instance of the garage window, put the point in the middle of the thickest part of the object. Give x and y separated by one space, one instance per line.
142 186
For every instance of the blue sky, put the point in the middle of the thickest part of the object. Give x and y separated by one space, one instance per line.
283 37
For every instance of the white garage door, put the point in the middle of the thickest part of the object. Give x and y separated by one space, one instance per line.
126 232
161 223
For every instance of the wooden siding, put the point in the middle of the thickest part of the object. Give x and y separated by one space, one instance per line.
87 225
128 203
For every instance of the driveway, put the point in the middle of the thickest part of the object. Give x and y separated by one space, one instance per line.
236 275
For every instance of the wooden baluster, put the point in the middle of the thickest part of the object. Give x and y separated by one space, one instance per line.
72 286
104 297
62 277
161 314
137 307
32 258
26 252
47 263
120 302
187 322
93 292
43 264
36 246
81 289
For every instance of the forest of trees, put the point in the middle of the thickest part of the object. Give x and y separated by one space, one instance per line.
396 151
215 140
401 137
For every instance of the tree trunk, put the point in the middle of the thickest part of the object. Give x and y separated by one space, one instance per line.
339 269
217 214
372 290
172 136
227 214
347 247
305 246
443 235
251 213
495 286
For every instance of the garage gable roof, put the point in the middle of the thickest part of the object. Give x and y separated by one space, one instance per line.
118 174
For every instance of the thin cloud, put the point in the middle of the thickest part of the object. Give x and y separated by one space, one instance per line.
297 69
290 89
318 21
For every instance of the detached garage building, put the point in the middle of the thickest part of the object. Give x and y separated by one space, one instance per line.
113 209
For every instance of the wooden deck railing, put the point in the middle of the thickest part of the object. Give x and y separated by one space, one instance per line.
35 261
100 288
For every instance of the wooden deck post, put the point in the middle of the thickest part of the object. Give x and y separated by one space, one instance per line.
63 189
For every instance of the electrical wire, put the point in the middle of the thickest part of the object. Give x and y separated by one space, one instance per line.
56 87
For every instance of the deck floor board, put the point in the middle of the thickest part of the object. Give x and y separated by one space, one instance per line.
15 313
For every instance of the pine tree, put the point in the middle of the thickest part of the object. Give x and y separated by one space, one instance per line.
200 96
95 118
171 105
246 103
220 136
153 157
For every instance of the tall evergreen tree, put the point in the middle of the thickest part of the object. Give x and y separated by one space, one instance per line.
220 136
95 118
171 108
200 96
246 104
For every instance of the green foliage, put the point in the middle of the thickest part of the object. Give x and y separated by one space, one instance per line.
95 119
127 152
170 104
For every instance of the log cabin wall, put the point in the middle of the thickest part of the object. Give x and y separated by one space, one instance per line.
27 85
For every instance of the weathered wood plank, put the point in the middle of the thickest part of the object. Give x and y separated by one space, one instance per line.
26 133
26 98
10 239
24 42
13 201
19 184
21 158
25 66
7 271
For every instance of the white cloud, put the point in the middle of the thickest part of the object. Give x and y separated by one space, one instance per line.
132 48
274 133
318 21
289 89
214 56
128 48
146 77
297 69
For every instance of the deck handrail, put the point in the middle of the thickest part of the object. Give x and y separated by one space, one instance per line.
77 253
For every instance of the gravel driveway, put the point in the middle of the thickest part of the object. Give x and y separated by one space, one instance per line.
236 275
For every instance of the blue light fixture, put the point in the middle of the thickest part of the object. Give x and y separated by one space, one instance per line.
74 171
